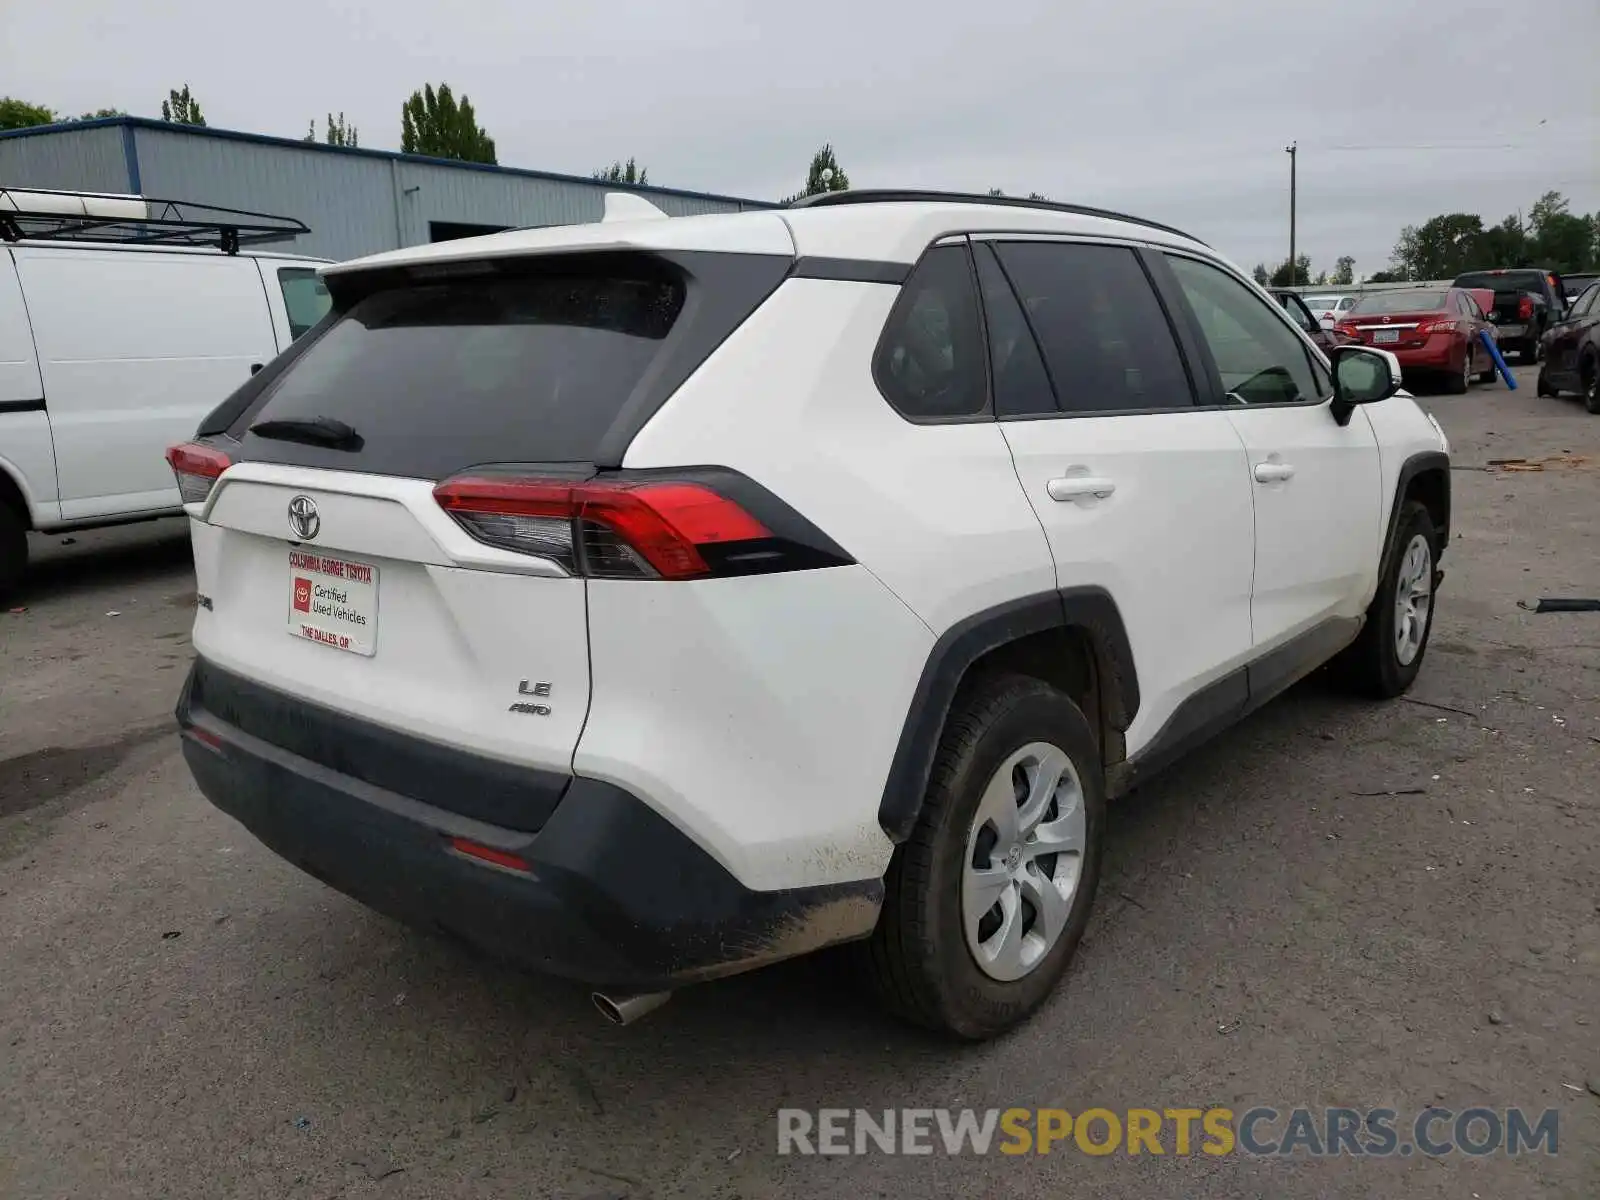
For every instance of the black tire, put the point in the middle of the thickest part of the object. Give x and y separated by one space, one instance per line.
1456 383
1532 349
1490 373
1372 665
1544 387
1589 372
13 550
918 960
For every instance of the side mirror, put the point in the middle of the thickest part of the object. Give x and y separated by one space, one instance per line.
1362 375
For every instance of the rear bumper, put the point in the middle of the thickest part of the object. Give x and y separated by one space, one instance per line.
612 895
1515 332
1446 357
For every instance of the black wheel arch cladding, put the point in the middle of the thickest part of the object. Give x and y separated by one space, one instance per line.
1428 470
1090 611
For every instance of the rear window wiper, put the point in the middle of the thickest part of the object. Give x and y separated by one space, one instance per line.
313 431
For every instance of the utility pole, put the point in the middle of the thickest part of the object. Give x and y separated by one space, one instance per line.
1293 151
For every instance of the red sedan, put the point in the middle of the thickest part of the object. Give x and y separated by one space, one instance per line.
1432 330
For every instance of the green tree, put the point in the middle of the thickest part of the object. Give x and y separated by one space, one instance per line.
1394 275
623 172
19 114
1561 241
1440 248
1344 271
1505 245
101 114
432 123
340 132
1284 276
1262 275
181 108
825 175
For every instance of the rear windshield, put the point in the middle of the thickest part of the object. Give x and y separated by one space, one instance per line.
436 377
1396 302
1505 281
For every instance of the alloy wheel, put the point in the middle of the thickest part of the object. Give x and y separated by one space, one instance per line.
1024 860
1413 600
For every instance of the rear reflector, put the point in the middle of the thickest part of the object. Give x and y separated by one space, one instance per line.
488 854
204 736
197 468
602 528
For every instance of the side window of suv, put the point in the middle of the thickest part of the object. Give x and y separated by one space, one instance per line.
1259 358
929 362
1105 338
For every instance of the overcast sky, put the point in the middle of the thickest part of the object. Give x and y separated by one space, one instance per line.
1179 111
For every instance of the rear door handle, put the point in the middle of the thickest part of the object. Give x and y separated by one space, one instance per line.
1076 487
1273 472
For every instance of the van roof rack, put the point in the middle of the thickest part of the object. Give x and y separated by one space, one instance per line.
893 196
135 220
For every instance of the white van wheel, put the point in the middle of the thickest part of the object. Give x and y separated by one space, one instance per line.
13 549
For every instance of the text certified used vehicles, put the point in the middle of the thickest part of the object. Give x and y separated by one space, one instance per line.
650 600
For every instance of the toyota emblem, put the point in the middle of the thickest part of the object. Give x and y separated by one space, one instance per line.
303 518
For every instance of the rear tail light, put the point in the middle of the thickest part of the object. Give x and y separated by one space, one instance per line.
1525 308
197 468
612 529
1444 325
1348 328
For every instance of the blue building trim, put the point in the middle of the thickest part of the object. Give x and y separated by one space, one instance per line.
130 155
130 124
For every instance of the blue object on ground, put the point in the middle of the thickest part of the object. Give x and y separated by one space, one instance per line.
1500 363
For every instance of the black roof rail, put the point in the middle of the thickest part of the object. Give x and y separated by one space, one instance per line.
48 215
901 196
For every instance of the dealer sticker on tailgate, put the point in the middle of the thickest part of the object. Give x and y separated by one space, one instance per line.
333 601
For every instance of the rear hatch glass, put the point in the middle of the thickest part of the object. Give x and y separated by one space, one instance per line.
436 377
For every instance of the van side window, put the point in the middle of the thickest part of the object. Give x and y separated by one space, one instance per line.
305 298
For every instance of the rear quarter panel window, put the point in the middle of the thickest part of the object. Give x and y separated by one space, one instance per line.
930 358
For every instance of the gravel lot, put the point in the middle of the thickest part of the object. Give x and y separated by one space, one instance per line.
182 1014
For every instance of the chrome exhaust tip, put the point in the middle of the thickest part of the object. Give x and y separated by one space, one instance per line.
626 1009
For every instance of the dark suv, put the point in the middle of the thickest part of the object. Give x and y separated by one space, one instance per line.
1527 301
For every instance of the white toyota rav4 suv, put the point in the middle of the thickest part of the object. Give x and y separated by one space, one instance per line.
651 600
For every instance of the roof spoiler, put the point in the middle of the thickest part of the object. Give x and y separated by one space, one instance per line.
625 206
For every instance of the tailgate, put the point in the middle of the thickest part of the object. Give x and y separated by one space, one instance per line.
389 612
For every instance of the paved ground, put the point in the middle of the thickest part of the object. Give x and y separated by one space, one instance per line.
181 1014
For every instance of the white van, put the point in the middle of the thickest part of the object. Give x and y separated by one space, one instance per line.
113 348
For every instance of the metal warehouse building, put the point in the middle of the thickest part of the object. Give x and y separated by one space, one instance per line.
355 201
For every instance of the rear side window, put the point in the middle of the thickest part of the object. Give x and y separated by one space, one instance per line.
1105 338
930 362
437 377
305 298
1021 384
